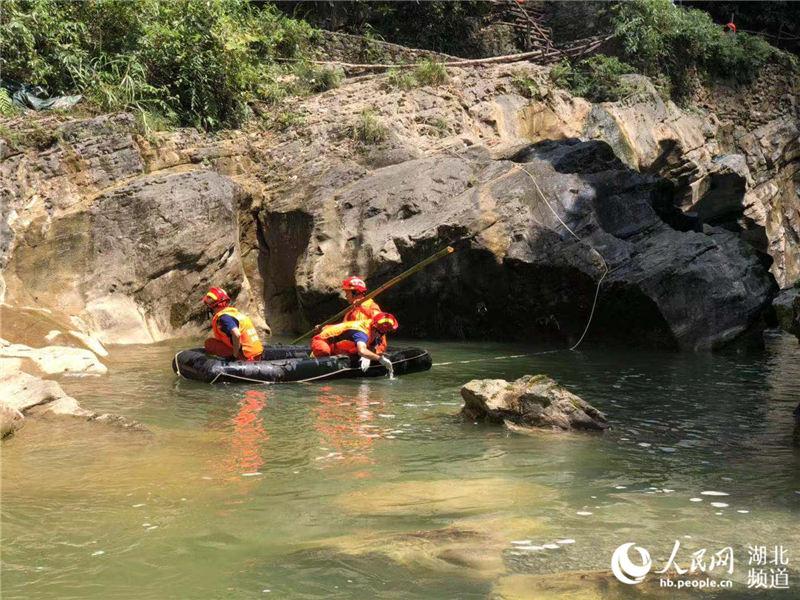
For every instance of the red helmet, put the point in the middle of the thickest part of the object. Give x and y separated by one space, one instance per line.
216 297
385 322
354 284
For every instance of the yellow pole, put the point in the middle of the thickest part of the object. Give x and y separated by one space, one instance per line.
392 282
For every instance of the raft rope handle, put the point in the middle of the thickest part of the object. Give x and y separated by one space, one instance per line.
575 235
396 362
177 364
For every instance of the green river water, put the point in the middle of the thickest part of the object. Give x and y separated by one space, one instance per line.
376 489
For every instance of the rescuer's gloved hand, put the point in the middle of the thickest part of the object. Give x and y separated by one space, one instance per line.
364 363
386 363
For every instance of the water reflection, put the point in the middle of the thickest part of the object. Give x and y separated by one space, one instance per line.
248 438
346 424
368 488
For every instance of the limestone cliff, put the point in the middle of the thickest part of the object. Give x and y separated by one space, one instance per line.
696 213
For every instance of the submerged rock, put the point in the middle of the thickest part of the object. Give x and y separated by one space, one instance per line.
532 401
24 395
470 547
441 497
580 585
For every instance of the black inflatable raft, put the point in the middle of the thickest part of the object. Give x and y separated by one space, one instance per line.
283 364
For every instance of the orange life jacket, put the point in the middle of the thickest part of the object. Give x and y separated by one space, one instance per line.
363 312
248 336
334 333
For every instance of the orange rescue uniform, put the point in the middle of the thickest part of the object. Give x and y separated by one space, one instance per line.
333 340
248 336
364 312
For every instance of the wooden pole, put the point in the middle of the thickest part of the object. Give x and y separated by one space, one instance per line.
391 283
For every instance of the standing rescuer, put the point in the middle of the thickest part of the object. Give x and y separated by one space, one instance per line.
355 288
234 335
361 338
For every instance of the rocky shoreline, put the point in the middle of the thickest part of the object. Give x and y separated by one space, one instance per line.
26 387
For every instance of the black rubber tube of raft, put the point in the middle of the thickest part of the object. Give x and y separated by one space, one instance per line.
291 364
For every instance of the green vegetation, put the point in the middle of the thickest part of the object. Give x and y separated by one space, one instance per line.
206 63
285 120
525 85
447 26
402 78
368 129
678 48
430 72
597 78
313 79
440 125
194 63
7 109
32 136
659 38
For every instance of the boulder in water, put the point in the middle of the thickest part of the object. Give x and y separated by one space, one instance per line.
24 395
787 310
532 401
53 360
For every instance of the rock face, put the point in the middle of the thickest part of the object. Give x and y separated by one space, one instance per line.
124 241
532 401
696 217
525 276
22 392
23 395
787 310
633 191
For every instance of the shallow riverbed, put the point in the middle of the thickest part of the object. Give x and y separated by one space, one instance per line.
375 488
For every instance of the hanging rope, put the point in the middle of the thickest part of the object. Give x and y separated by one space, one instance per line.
575 235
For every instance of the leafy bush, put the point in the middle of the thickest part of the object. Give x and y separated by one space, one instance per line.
525 85
430 72
7 108
660 38
442 25
199 63
402 78
368 129
597 78
313 79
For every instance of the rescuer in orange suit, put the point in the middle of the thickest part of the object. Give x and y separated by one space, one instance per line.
234 335
356 338
355 288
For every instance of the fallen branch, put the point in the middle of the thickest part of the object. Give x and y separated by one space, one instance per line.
572 50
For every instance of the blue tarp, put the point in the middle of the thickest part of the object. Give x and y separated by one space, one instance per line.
34 97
